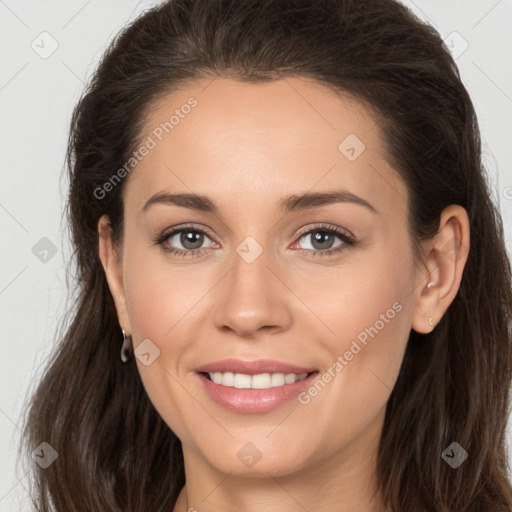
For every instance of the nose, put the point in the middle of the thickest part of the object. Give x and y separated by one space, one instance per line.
252 298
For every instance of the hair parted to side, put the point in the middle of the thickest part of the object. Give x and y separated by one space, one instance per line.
115 452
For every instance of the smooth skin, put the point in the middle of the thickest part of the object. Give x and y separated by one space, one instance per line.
246 147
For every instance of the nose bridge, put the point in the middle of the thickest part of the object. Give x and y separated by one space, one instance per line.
252 296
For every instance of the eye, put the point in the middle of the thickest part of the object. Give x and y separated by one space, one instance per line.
190 237
323 237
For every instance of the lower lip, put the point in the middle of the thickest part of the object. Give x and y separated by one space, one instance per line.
254 400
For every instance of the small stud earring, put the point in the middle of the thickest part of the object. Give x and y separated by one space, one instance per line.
431 323
429 285
127 347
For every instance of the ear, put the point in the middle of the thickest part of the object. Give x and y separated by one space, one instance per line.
113 271
444 258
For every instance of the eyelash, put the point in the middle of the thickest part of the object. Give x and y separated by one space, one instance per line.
348 241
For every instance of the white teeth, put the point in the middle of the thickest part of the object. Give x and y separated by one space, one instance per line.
242 381
260 381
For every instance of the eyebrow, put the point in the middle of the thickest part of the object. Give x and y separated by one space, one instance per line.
288 204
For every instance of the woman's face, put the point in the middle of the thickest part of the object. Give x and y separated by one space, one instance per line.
261 274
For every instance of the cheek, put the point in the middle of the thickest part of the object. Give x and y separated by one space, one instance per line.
159 313
371 332
160 295
364 364
151 315
366 300
369 314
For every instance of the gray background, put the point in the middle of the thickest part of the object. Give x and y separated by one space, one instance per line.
37 94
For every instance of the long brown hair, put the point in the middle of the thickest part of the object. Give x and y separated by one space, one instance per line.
115 453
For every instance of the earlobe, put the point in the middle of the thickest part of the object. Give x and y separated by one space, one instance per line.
444 262
113 272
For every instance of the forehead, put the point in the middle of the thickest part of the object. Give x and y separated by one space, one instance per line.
230 139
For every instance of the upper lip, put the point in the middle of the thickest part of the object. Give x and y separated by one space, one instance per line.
253 367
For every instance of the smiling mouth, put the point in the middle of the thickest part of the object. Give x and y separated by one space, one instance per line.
259 381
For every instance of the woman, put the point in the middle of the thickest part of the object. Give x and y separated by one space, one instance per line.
294 292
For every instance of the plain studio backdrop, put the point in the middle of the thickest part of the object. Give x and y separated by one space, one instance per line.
49 51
